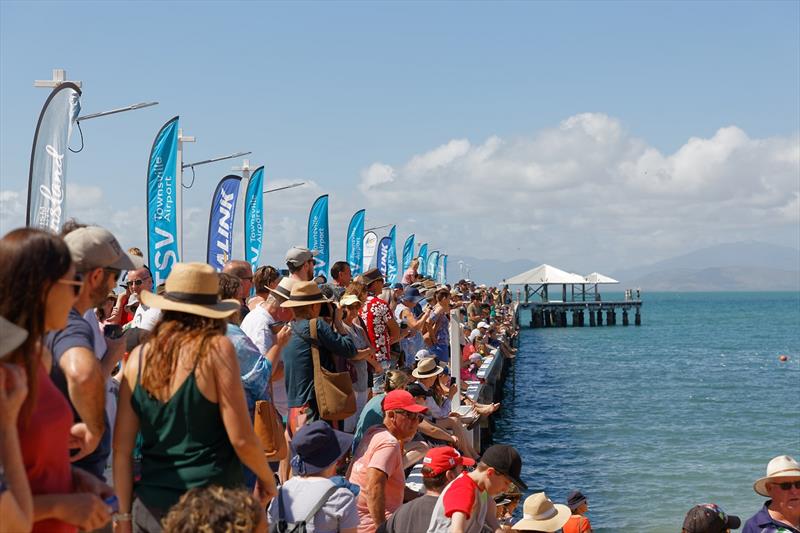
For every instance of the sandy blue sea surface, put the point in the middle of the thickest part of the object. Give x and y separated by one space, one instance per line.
648 421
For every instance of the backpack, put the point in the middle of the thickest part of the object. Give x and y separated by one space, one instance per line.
282 526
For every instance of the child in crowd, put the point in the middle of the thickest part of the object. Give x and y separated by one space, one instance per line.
216 509
577 523
311 495
541 515
463 505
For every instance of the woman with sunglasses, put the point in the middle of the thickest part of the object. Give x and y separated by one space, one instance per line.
38 287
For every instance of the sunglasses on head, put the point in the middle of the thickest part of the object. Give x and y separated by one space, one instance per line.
787 485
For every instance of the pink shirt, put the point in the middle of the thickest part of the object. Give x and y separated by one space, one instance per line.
378 449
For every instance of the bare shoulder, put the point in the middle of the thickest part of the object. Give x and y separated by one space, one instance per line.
221 352
131 370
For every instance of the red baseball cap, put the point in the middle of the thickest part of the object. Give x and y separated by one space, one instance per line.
402 399
442 459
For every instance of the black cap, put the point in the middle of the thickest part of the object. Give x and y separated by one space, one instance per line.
575 499
709 518
506 460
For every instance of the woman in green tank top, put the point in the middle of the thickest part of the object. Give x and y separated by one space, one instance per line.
182 392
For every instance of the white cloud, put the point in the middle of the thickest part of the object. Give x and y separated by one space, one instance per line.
588 193
376 175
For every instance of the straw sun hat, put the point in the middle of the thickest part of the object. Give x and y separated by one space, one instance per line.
284 288
191 288
305 293
541 514
427 368
780 467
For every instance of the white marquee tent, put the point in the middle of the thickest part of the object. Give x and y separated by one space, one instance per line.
545 275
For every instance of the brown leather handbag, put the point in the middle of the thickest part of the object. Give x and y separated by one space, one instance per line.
269 430
334 390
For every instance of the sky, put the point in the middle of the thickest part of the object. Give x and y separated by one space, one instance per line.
589 135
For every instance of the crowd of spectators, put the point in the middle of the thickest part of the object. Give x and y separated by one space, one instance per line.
134 407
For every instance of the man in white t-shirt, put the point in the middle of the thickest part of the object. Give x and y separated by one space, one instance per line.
259 324
139 281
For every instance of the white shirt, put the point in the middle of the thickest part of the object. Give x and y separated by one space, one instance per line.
146 317
256 325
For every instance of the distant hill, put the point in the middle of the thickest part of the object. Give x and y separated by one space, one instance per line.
740 266
719 279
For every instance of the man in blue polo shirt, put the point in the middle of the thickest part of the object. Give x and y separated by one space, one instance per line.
780 514
80 372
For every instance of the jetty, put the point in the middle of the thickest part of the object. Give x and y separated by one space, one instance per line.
580 305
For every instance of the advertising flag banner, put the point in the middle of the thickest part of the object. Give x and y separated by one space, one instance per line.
47 177
370 245
408 252
442 269
423 259
162 194
433 262
254 217
318 234
383 255
355 242
391 274
220 221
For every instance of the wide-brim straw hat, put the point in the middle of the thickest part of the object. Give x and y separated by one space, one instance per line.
427 368
541 514
780 467
11 336
305 293
192 288
372 275
284 288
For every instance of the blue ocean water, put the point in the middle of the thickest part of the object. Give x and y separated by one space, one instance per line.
649 421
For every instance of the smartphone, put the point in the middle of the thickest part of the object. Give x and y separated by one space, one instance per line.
276 327
112 331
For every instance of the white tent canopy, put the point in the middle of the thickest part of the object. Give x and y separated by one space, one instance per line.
545 275
595 277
